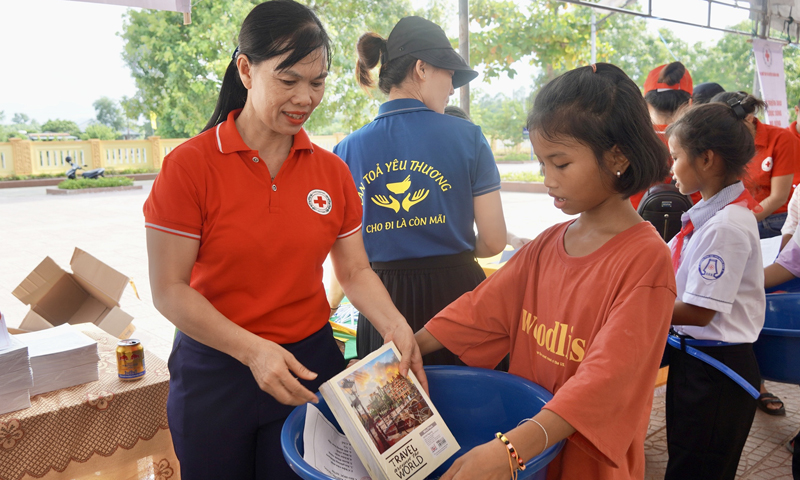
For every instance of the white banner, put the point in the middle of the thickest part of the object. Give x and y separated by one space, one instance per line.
184 6
769 64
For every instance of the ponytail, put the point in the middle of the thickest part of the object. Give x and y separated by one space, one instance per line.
668 101
232 96
371 49
749 103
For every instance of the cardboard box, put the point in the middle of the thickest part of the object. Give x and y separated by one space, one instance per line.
90 294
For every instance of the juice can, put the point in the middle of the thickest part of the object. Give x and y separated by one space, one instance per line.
130 359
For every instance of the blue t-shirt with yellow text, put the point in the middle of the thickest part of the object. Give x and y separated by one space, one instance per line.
417 172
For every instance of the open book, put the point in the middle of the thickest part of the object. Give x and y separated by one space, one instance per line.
390 422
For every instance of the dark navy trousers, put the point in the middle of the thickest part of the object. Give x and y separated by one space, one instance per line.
223 425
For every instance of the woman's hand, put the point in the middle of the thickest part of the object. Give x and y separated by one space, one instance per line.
272 367
487 462
403 338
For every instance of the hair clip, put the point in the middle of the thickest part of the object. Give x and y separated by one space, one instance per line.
594 68
738 109
235 53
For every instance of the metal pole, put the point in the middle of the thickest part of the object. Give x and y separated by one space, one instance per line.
763 34
594 39
463 48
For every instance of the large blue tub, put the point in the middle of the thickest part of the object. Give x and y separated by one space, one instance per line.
778 346
474 402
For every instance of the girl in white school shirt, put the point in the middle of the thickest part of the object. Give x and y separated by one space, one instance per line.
720 282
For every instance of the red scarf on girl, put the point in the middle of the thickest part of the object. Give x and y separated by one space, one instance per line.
677 247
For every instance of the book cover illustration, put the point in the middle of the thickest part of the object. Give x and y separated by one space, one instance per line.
388 404
390 421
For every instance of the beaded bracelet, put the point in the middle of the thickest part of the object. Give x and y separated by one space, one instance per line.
512 469
511 450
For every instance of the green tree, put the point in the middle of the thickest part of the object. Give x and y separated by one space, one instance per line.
20 118
62 126
108 113
178 68
501 117
100 132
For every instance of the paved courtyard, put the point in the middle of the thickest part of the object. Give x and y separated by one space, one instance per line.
110 226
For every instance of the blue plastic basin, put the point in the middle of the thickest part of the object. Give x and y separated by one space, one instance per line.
778 347
474 402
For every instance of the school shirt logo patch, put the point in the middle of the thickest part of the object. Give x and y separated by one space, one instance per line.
319 201
767 164
711 267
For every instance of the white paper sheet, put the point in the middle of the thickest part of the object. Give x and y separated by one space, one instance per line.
5 337
770 247
329 451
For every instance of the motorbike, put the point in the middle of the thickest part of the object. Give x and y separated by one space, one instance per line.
74 167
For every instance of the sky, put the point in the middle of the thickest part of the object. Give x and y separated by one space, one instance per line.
60 56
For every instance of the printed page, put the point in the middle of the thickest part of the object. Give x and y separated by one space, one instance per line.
329 451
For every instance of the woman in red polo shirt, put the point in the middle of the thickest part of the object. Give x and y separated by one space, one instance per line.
240 221
769 174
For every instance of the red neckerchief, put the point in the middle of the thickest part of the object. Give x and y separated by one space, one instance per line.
677 247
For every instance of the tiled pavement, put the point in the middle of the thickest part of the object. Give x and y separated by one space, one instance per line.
110 227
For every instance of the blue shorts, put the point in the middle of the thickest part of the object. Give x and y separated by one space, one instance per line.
771 226
223 425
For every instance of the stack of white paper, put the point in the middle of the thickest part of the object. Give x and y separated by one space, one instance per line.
60 357
16 377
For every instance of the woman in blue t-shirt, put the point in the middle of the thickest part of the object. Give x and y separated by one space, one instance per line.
425 178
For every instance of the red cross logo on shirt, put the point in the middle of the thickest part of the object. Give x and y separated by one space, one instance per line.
319 201
767 164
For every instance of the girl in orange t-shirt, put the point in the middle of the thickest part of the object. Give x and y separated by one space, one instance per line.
568 307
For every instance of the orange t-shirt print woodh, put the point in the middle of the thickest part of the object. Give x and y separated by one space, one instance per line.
590 329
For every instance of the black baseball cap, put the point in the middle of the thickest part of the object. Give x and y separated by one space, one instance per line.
426 41
704 92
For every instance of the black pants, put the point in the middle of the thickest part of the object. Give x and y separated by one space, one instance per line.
223 425
796 458
708 414
420 288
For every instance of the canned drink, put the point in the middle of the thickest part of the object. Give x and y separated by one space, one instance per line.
130 359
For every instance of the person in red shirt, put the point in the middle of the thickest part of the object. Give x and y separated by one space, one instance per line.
771 171
668 92
793 127
239 222
569 305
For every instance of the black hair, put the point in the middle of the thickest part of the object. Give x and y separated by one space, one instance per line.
372 50
603 110
271 29
715 126
670 101
457 112
751 104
